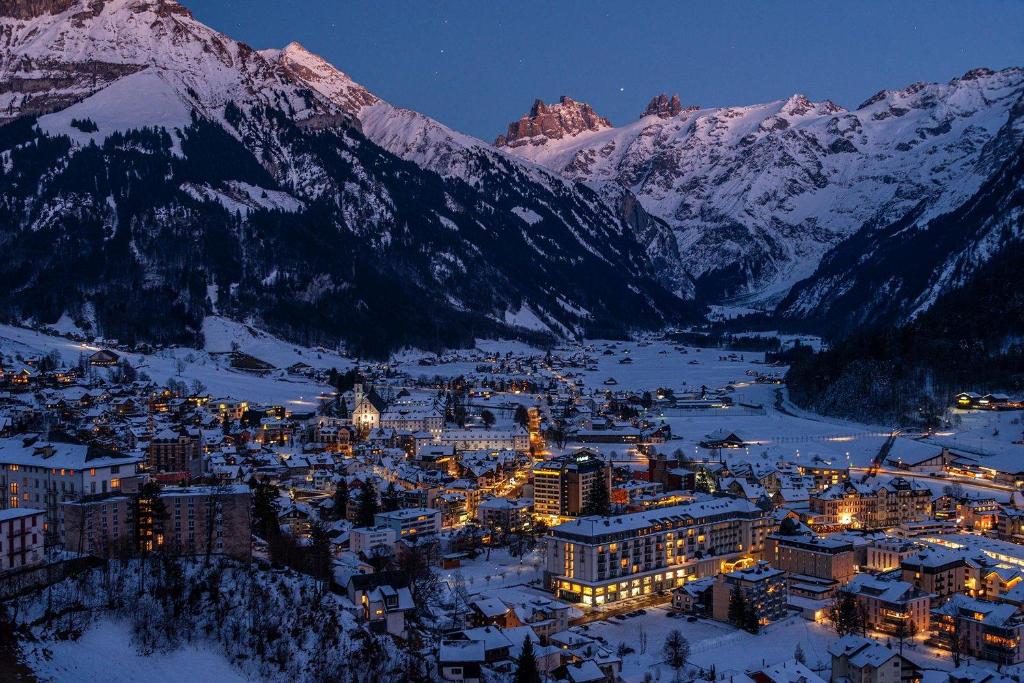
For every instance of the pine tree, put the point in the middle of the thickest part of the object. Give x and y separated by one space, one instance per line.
367 505
340 499
390 501
319 552
751 622
737 606
522 416
526 666
265 509
844 614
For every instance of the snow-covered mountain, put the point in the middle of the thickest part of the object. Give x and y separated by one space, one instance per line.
435 147
154 170
759 194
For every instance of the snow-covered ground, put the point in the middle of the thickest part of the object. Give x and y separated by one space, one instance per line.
727 648
108 641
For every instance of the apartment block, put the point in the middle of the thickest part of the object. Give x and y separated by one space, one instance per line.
562 486
182 521
811 555
21 538
763 588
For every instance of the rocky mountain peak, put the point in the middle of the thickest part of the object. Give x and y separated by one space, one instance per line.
323 77
663 106
567 118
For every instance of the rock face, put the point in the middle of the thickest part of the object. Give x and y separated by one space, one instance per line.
663 106
552 122
757 195
29 9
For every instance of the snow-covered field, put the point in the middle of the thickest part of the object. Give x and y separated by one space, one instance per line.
213 371
108 641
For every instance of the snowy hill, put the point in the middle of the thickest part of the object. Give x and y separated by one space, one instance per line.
157 171
758 194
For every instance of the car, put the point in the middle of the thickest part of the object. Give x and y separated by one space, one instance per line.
641 611
620 617
691 619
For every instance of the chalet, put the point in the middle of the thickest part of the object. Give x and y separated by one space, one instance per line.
995 402
722 439
104 358
20 375
855 658
385 607
492 612
301 369
967 399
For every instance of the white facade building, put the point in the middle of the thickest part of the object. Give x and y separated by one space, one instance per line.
515 439
43 474
410 522
365 539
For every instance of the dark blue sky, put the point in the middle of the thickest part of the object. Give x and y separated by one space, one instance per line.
476 65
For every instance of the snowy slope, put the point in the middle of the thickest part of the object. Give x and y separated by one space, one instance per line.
758 194
54 59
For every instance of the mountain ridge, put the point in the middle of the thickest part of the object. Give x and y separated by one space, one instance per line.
169 171
757 195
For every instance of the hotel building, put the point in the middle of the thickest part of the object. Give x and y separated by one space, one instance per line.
595 560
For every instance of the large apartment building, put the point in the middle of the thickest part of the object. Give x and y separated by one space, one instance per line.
176 451
811 555
763 589
595 560
410 522
194 521
562 486
886 604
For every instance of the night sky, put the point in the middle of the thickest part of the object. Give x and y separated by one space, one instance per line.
478 65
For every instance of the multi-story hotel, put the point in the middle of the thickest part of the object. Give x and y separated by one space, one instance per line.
595 560
562 486
515 439
871 506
